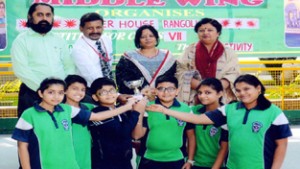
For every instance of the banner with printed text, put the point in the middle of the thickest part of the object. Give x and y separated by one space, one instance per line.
253 28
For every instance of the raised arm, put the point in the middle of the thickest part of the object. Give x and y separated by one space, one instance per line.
188 117
111 113
24 154
139 131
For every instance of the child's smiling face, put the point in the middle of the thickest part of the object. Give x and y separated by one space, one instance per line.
75 92
166 92
52 96
106 96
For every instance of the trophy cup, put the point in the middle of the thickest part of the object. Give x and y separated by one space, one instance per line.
135 84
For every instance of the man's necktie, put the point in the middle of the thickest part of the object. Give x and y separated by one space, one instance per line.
105 66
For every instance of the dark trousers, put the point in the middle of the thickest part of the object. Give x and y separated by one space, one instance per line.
196 167
26 98
112 164
150 164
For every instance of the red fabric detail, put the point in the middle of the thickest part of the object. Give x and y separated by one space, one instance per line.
206 63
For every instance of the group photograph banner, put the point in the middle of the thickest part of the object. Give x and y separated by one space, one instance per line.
253 28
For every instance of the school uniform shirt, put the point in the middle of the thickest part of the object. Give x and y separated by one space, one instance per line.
53 132
112 146
252 134
82 140
208 139
164 139
86 58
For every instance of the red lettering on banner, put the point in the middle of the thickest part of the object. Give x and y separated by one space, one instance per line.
231 2
52 2
252 2
185 2
242 46
210 3
84 3
221 2
116 3
134 3
159 3
123 24
175 36
109 24
172 24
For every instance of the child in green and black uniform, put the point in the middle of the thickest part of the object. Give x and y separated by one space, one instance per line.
164 133
75 92
112 147
211 141
51 123
258 130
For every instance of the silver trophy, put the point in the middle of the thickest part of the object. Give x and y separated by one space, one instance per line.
135 84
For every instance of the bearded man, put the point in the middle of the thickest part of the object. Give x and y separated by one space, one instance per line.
38 53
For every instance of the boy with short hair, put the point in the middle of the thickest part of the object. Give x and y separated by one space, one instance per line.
112 147
75 92
164 133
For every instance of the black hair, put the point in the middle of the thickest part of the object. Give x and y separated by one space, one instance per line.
262 101
139 32
70 79
46 83
213 22
166 78
214 83
100 82
31 10
88 17
1 2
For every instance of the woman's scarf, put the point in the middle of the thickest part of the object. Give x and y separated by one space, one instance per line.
206 63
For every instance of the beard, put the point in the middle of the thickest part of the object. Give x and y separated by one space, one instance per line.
41 27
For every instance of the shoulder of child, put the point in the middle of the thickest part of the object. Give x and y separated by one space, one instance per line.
99 109
89 106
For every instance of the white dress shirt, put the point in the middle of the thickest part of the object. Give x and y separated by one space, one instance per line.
86 58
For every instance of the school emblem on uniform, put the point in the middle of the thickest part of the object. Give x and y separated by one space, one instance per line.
256 126
65 124
180 122
213 131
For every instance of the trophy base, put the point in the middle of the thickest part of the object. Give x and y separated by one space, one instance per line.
138 96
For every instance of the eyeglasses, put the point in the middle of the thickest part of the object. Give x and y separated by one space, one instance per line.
105 92
168 89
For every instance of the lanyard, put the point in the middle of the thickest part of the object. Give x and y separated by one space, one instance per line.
106 59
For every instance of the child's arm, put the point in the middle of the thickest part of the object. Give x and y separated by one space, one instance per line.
191 138
281 145
221 155
139 131
111 113
24 154
188 117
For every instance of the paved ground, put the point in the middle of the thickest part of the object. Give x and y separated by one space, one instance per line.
8 152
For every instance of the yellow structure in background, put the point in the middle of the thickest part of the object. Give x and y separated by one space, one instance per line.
282 84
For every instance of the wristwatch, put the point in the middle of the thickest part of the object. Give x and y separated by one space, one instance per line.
191 162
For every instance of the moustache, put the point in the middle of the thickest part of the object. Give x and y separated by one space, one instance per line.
91 34
44 22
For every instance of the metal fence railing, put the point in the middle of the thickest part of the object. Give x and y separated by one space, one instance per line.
282 84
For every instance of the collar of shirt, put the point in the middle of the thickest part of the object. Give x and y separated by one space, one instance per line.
241 105
38 108
91 42
175 103
202 109
33 33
